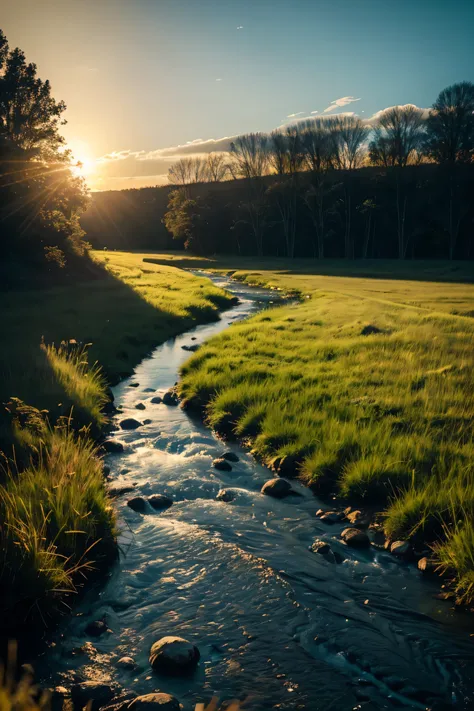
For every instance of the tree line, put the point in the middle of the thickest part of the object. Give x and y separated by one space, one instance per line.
337 186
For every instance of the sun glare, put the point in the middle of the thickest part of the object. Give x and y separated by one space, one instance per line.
83 162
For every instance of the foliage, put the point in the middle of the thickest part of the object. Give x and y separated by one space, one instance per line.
39 196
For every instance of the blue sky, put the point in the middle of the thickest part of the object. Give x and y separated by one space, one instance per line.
151 74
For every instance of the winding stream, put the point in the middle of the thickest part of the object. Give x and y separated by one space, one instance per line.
275 624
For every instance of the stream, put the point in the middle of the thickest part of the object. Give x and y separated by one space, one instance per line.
277 626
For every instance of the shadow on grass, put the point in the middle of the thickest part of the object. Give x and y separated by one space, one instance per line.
122 326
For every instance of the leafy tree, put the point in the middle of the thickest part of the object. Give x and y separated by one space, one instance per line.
40 199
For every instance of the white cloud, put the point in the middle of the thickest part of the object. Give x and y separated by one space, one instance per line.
299 113
240 27
338 103
375 117
218 79
315 112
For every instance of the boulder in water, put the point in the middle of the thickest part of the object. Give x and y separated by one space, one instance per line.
137 504
170 398
355 537
174 655
140 406
126 663
92 693
160 501
402 549
331 517
222 465
156 400
129 423
359 518
134 385
321 547
278 488
427 565
154 702
113 446
96 628
225 495
230 457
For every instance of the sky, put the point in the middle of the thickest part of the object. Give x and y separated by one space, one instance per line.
148 81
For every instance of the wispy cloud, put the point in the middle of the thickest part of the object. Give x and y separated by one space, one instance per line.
240 27
314 112
338 103
299 113
219 79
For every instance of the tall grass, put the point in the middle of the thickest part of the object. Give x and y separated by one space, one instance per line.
56 525
84 383
385 418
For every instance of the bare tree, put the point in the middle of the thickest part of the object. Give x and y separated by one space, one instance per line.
399 136
180 173
317 152
286 155
451 142
348 136
251 161
217 167
199 170
399 140
251 155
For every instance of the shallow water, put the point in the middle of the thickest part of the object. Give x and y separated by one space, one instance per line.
275 624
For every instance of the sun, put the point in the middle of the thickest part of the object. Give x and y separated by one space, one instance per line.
83 162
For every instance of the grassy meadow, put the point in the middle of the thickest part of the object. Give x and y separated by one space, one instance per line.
60 350
364 388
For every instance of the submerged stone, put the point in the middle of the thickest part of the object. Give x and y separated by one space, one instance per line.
171 398
225 495
222 464
113 446
427 565
140 406
129 423
126 663
402 549
174 655
160 501
278 488
356 538
137 504
156 400
92 693
96 628
230 457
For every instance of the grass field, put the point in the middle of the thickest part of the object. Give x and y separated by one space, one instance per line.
55 519
365 387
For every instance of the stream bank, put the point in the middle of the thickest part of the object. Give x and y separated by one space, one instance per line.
274 622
